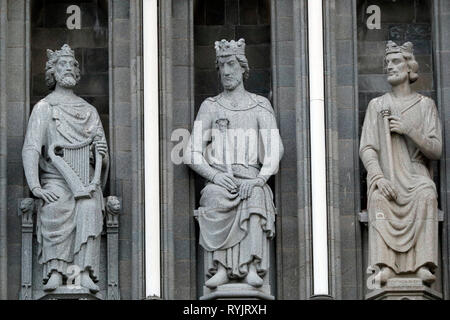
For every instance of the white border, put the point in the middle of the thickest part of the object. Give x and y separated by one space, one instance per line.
151 149
318 149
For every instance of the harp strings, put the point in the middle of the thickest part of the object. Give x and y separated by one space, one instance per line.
78 160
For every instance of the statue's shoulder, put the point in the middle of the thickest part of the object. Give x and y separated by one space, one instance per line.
42 106
262 102
212 99
377 102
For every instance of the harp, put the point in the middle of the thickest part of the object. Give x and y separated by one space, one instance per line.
72 161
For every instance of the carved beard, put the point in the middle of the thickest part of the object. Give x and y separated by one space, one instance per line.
66 81
398 78
231 83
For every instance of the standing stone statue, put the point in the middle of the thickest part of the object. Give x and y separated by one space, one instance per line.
65 159
235 145
400 136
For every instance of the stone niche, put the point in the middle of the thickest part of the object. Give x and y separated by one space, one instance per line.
400 21
51 27
232 20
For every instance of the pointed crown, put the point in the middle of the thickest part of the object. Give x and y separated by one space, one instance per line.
65 51
392 47
225 48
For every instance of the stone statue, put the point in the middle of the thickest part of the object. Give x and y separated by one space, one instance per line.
235 145
400 136
65 158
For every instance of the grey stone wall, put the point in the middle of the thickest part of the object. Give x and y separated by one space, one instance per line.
441 43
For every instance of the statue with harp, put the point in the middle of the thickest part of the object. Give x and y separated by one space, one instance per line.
65 158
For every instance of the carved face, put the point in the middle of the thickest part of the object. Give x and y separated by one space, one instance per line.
231 72
65 72
397 69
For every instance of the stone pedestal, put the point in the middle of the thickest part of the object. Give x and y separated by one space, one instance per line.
404 289
241 291
67 293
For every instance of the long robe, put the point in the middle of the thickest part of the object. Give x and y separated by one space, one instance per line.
403 234
68 230
236 232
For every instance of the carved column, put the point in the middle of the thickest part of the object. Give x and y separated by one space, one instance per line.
25 210
113 205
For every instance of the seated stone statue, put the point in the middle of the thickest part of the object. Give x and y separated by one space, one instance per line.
235 145
401 135
65 159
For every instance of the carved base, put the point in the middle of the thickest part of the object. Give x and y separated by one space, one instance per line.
237 291
404 289
65 293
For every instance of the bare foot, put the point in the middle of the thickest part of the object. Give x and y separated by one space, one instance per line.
54 282
219 278
425 274
87 282
252 277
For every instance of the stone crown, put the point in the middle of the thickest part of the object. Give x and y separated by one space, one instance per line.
225 48
392 47
65 51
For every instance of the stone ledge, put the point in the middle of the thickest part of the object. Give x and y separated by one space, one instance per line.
237 291
404 289
66 293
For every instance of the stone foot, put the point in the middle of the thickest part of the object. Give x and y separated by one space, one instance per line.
219 278
54 282
87 282
383 276
253 279
425 274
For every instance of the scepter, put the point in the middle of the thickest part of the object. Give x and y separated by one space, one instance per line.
385 114
223 126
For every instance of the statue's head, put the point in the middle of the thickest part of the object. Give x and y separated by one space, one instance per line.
401 65
62 68
231 62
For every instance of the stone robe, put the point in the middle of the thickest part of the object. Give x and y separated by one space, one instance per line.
235 232
68 230
403 234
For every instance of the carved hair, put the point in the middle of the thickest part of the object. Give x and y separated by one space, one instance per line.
50 71
407 52
242 59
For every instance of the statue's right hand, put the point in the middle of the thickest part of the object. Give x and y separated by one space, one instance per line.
226 180
46 195
387 189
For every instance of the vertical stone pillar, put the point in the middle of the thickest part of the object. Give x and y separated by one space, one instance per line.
26 209
178 243
293 273
3 154
112 234
123 173
17 90
343 159
441 45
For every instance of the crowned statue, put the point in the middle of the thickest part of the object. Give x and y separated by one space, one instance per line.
236 146
65 158
400 137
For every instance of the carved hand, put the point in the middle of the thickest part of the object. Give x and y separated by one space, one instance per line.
387 188
247 186
399 126
46 195
101 147
226 180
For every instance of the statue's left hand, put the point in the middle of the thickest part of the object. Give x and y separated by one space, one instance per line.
246 187
398 125
101 147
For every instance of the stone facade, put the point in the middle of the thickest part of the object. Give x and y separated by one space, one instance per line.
109 46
